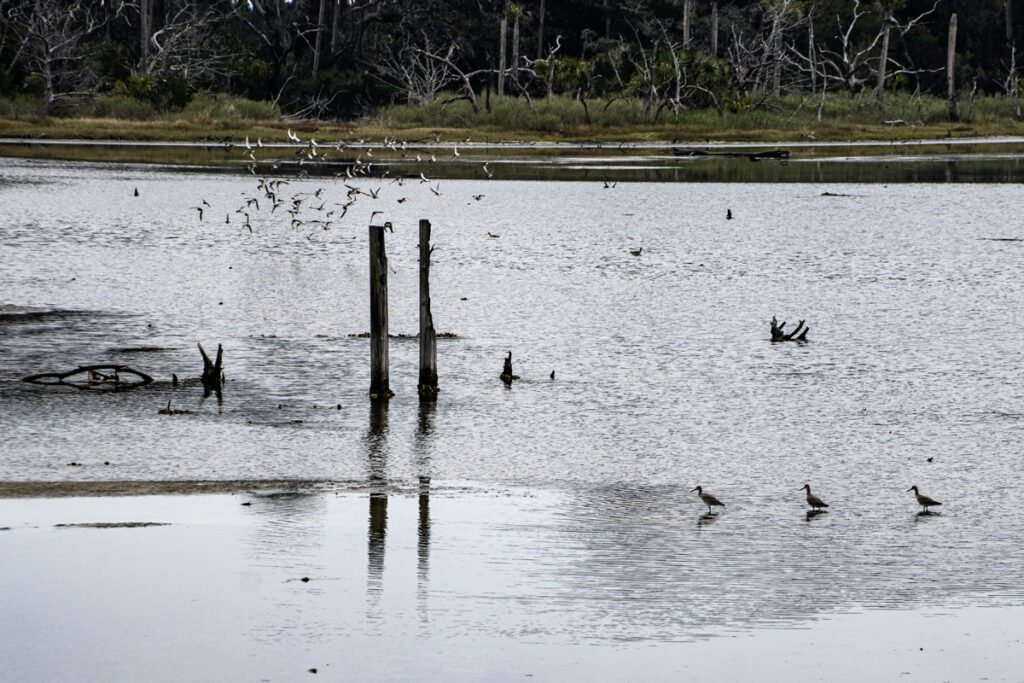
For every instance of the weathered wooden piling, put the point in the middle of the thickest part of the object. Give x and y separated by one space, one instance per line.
428 335
380 388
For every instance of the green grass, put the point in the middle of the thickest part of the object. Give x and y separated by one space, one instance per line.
787 119
779 119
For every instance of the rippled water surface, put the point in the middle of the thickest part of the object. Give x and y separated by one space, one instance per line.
664 375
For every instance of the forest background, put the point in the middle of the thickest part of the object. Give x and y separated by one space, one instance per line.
547 67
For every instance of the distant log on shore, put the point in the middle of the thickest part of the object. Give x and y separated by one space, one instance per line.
777 154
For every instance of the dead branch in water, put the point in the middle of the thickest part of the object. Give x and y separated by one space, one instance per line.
96 377
778 334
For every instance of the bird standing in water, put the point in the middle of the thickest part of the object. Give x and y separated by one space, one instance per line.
707 498
923 500
813 500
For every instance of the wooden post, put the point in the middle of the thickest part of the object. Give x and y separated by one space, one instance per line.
428 335
954 115
380 388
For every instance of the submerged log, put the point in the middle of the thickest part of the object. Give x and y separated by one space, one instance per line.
94 377
779 334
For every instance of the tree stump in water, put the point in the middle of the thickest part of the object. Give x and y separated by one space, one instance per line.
778 334
506 374
213 373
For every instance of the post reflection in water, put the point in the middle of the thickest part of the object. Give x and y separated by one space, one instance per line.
376 447
423 446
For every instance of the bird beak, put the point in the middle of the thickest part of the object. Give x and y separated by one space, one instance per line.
910 489
692 490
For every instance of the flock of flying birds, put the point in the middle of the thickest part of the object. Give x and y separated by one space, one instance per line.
319 209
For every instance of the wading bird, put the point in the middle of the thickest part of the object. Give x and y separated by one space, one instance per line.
923 500
813 500
707 498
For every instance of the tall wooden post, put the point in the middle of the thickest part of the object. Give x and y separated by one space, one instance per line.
428 335
954 115
379 383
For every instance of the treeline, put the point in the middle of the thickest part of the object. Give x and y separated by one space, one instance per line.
345 58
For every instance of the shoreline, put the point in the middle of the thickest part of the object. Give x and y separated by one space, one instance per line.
12 490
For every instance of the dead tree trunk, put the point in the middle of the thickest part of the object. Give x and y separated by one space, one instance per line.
213 372
883 60
145 17
954 115
318 44
540 31
380 388
714 30
428 335
506 373
687 19
501 56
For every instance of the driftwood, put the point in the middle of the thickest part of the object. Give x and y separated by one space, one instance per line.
107 377
213 372
778 334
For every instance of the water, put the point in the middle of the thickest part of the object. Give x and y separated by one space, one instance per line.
577 488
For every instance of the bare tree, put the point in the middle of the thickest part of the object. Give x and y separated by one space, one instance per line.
184 45
419 74
464 78
53 33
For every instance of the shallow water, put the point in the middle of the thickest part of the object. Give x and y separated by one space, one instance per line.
664 375
462 584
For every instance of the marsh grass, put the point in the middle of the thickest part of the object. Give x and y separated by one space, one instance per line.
897 117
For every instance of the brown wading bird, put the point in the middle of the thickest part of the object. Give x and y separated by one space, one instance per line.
707 498
813 500
922 500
